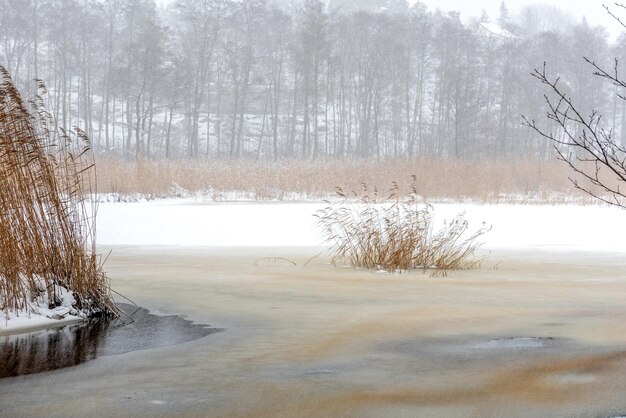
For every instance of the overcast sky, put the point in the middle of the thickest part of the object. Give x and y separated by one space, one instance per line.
592 9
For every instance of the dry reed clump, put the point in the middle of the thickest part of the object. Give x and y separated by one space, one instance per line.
518 181
396 234
47 228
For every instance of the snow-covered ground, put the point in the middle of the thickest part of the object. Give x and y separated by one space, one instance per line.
39 316
194 223
190 222
30 321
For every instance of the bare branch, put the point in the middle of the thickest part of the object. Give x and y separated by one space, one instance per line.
592 153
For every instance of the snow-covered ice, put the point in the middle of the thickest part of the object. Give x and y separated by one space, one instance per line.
196 223
32 321
188 222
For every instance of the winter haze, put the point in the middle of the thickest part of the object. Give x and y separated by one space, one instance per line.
279 80
311 208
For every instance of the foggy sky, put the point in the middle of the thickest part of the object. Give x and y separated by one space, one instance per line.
591 9
253 82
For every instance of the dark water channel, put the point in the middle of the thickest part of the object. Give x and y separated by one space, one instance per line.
47 350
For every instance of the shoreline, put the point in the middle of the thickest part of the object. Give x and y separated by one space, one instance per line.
33 322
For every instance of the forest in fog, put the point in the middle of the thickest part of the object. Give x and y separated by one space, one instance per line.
271 80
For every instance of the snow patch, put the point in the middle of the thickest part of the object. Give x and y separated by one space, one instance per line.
193 222
39 315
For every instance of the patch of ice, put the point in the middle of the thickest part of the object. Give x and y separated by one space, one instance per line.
515 343
319 371
571 378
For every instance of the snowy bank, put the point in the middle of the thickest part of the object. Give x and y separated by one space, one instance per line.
38 315
26 322
188 222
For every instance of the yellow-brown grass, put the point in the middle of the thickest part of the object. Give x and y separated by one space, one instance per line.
483 181
47 236
395 236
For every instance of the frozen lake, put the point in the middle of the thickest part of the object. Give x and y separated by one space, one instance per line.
539 330
191 222
531 333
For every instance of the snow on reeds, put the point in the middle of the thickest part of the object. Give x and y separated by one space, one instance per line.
395 234
47 231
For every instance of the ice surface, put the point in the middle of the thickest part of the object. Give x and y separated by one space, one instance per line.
194 223
397 345
188 222
512 343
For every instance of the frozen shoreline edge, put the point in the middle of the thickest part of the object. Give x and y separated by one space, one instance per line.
23 324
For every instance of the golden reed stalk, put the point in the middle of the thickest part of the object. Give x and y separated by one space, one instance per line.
47 226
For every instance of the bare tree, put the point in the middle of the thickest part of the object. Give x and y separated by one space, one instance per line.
275 79
593 153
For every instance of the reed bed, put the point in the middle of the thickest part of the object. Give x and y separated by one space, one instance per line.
47 225
518 181
395 233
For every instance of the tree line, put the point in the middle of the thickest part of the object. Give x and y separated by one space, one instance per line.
261 79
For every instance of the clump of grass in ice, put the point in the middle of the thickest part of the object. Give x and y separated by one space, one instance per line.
395 233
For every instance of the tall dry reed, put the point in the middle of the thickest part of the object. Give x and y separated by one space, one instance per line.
395 233
439 178
47 227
